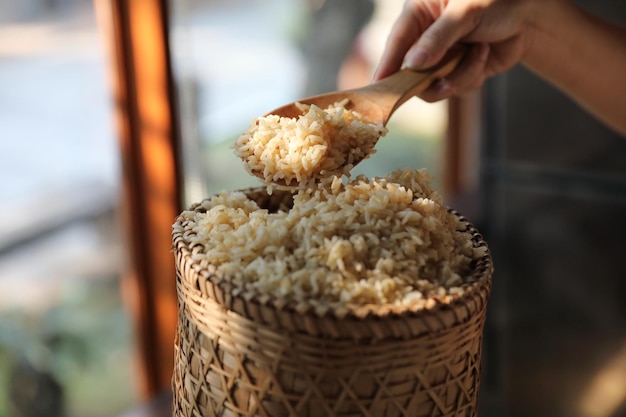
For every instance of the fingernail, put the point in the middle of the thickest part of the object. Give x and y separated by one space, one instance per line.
415 58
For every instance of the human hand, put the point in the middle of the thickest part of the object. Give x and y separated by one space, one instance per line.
499 32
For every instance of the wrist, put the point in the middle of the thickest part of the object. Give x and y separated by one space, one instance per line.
543 18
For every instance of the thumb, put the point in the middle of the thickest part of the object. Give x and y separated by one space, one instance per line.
432 45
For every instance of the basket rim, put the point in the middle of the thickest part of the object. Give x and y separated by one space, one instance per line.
237 298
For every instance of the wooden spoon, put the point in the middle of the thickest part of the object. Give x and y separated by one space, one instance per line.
378 101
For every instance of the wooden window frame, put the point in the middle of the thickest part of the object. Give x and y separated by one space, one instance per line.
462 153
136 33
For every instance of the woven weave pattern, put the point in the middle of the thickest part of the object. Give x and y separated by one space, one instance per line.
250 356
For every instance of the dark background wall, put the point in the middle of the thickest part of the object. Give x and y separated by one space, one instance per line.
554 212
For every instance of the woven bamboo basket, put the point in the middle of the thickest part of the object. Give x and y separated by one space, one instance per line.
254 355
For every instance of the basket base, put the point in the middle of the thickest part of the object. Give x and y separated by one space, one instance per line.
240 373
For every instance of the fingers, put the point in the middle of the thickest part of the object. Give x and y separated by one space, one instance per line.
444 32
403 34
468 76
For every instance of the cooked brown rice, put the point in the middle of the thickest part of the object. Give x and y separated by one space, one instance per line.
382 240
301 151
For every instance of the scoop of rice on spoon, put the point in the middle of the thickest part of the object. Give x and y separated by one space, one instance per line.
300 143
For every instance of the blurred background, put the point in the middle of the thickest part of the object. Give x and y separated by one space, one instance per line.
544 181
65 338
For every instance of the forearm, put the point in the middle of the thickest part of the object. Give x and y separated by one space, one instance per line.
581 55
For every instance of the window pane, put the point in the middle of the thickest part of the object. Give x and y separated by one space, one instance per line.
65 339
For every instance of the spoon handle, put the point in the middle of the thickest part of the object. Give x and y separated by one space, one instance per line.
393 91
